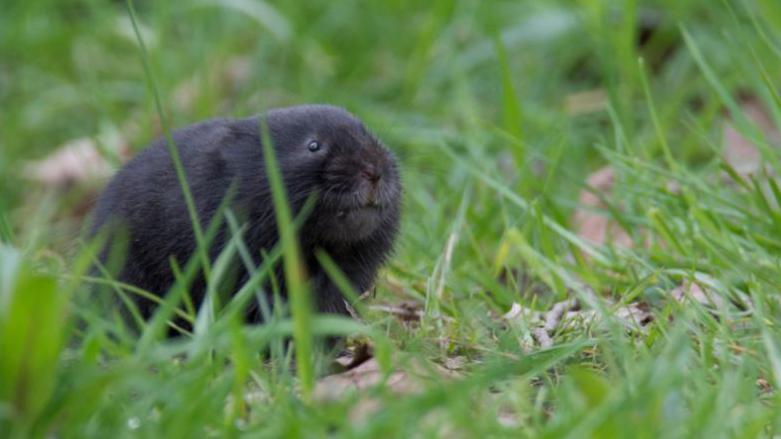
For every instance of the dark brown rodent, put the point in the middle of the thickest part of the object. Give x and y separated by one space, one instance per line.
323 152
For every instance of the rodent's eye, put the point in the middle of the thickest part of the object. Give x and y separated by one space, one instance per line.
314 145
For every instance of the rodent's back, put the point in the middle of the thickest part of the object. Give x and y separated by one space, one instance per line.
145 199
148 179
355 219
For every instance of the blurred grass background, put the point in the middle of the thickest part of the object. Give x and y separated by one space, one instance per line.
499 112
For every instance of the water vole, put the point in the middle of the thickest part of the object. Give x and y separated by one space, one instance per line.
323 152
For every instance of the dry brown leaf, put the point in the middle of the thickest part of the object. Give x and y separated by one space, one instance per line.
519 312
602 180
739 151
570 314
693 291
368 374
585 102
589 224
407 311
456 363
542 337
635 315
74 162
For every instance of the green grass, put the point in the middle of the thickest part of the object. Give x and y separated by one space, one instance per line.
472 96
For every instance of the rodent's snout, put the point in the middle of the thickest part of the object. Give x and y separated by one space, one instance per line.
371 174
363 177
359 192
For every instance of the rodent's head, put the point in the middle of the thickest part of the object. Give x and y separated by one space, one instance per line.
326 152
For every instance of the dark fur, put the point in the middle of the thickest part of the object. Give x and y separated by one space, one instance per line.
354 220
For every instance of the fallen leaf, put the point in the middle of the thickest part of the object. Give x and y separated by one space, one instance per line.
635 315
588 222
516 310
739 151
571 315
406 311
455 363
693 291
542 337
585 102
332 387
369 374
76 161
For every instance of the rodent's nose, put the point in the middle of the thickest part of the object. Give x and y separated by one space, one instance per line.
370 173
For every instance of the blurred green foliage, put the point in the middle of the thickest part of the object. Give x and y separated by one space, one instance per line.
498 111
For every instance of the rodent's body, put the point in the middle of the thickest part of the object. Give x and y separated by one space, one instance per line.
323 153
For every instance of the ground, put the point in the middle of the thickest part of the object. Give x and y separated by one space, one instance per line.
591 238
